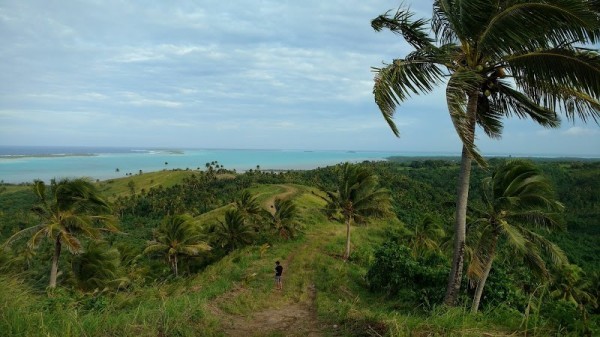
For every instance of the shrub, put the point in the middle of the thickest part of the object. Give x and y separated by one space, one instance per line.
420 280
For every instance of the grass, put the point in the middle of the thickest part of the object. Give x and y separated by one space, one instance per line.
242 284
120 187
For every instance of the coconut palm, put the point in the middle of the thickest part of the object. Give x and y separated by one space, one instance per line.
177 236
250 208
497 59
72 208
357 197
569 285
284 218
425 237
516 199
98 267
234 232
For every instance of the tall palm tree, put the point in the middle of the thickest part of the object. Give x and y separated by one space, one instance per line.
234 232
357 197
497 59
284 218
177 236
72 208
516 199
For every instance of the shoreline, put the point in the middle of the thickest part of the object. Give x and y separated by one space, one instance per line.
293 168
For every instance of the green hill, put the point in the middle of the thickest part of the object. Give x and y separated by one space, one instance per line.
234 295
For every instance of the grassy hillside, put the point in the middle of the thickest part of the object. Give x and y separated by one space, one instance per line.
322 295
233 295
122 186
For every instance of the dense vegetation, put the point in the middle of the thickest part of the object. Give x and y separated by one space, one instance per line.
157 275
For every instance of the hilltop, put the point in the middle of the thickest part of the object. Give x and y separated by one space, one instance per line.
233 294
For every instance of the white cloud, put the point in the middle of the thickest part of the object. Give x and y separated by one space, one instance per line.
139 100
579 131
214 72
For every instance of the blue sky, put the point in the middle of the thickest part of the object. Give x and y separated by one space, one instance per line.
224 74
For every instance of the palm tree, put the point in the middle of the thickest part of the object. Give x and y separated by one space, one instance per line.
357 197
569 285
250 209
234 232
514 198
283 219
73 208
98 267
498 59
177 236
425 237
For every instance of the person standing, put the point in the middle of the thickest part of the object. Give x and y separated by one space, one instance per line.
278 272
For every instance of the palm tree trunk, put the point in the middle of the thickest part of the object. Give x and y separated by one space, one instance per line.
455 277
347 252
54 267
484 276
462 195
175 265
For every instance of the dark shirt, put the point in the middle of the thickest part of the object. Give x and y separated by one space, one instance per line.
278 270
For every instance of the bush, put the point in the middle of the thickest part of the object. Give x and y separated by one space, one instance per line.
395 271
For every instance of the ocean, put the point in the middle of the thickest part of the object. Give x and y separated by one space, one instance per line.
20 164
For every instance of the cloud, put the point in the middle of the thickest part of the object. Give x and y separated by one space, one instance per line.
577 131
212 72
136 99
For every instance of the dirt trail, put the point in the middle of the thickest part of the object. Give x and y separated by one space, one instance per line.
269 204
288 318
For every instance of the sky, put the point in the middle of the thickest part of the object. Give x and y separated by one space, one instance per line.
262 74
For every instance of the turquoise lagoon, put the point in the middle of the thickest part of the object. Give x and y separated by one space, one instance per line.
24 164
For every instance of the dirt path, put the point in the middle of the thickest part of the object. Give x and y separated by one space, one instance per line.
269 204
291 315
288 318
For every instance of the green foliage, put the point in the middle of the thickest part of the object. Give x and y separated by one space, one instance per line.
177 237
98 268
284 220
396 272
154 302
234 232
357 197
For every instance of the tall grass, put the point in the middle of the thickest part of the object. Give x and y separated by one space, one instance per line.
242 283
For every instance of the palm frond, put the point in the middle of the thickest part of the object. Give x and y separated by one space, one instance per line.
514 235
483 252
401 23
488 118
71 242
557 255
394 83
444 21
41 233
19 234
460 85
155 247
511 101
534 25
195 249
39 189
561 79
533 260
